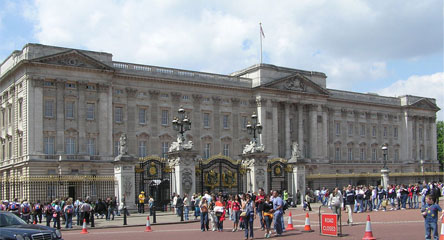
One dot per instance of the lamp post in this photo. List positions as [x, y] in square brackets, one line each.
[384, 152]
[385, 171]
[253, 127]
[181, 123]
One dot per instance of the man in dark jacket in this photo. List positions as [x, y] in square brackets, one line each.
[350, 197]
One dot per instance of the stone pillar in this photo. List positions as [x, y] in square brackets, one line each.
[132, 119]
[299, 180]
[155, 116]
[105, 139]
[60, 117]
[275, 133]
[184, 164]
[433, 139]
[313, 131]
[301, 129]
[81, 118]
[385, 178]
[287, 131]
[257, 164]
[125, 190]
[325, 132]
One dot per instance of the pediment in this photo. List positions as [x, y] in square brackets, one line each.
[297, 83]
[73, 58]
[425, 103]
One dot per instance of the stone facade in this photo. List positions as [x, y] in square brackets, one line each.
[63, 111]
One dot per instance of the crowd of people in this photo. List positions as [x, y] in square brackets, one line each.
[62, 211]
[240, 209]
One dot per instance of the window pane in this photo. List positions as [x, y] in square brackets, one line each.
[164, 117]
[118, 115]
[90, 109]
[49, 108]
[69, 110]
[142, 115]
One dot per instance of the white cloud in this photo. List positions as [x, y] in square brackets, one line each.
[427, 85]
[349, 40]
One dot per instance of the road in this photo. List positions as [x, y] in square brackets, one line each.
[405, 224]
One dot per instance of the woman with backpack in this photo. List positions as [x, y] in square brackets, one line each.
[47, 210]
[250, 215]
[56, 213]
[69, 212]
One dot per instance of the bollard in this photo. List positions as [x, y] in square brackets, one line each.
[181, 214]
[92, 218]
[154, 214]
[124, 216]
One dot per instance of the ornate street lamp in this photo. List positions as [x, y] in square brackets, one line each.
[384, 153]
[254, 127]
[181, 123]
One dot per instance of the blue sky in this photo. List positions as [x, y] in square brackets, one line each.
[388, 47]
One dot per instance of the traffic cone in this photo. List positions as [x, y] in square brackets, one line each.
[84, 230]
[307, 227]
[368, 235]
[148, 225]
[290, 223]
[441, 237]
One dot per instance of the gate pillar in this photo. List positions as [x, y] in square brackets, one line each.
[256, 164]
[125, 189]
[299, 180]
[183, 163]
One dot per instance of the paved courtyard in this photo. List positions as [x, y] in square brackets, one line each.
[405, 224]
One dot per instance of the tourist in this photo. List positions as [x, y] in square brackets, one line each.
[250, 215]
[204, 215]
[430, 213]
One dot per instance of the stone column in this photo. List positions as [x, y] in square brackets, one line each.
[184, 164]
[257, 164]
[105, 140]
[287, 131]
[125, 189]
[325, 132]
[131, 119]
[313, 131]
[60, 117]
[433, 139]
[216, 125]
[385, 178]
[81, 118]
[275, 133]
[299, 180]
[197, 121]
[261, 114]
[301, 129]
[155, 117]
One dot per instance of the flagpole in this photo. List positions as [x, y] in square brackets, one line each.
[260, 37]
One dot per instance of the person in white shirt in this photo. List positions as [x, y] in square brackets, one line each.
[335, 202]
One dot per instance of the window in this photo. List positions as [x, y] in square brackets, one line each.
[3, 152]
[420, 133]
[70, 85]
[91, 146]
[362, 154]
[142, 148]
[70, 145]
[185, 97]
[350, 129]
[48, 84]
[119, 91]
[291, 125]
[374, 131]
[3, 118]
[362, 130]
[338, 154]
[49, 108]
[20, 108]
[90, 111]
[396, 154]
[142, 116]
[165, 147]
[10, 149]
[226, 149]
[69, 111]
[20, 150]
[225, 121]
[207, 150]
[118, 114]
[165, 117]
[244, 122]
[206, 120]
[10, 115]
[385, 131]
[48, 145]
[395, 132]
[116, 148]
[338, 128]
[374, 155]
[350, 154]
[90, 87]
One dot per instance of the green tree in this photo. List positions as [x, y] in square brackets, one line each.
[440, 141]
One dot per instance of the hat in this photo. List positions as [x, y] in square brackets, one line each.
[142, 192]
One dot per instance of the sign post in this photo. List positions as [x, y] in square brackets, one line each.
[329, 224]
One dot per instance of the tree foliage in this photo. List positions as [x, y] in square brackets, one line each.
[440, 141]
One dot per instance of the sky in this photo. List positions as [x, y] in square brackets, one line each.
[392, 48]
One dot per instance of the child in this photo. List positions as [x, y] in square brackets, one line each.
[384, 205]
[430, 213]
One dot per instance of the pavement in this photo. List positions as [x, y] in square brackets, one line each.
[400, 224]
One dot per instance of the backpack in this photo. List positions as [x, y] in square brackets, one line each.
[37, 206]
[14, 206]
[25, 208]
[69, 209]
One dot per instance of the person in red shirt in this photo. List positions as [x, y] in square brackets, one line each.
[260, 199]
[235, 210]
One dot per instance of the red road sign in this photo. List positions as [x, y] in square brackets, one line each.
[329, 224]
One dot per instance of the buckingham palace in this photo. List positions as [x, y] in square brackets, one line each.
[64, 110]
